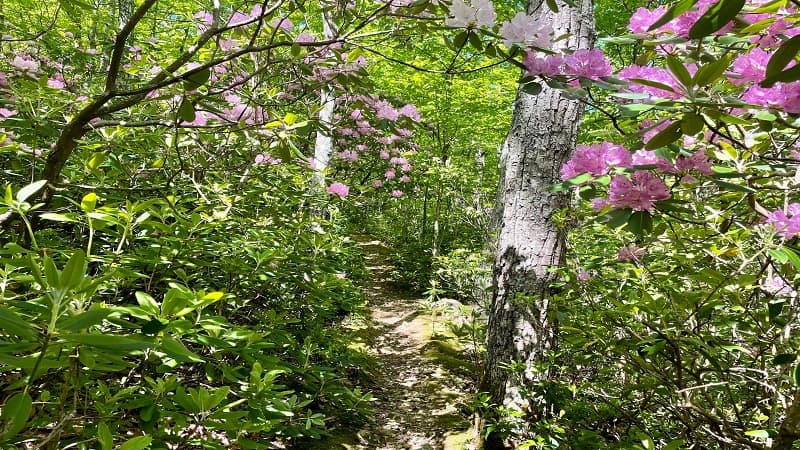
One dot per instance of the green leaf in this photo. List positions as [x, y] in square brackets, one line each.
[186, 111]
[781, 58]
[691, 124]
[784, 358]
[761, 434]
[675, 11]
[104, 436]
[86, 319]
[715, 18]
[674, 445]
[29, 190]
[552, 5]
[665, 137]
[791, 255]
[710, 72]
[15, 414]
[640, 223]
[11, 322]
[679, 70]
[197, 79]
[96, 160]
[788, 75]
[147, 302]
[51, 273]
[460, 39]
[618, 217]
[532, 88]
[137, 443]
[655, 84]
[74, 270]
[153, 327]
[177, 351]
[55, 217]
[89, 201]
[732, 186]
[796, 375]
[109, 342]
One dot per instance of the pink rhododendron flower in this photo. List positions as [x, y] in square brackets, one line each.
[405, 179]
[643, 19]
[786, 223]
[599, 203]
[549, 65]
[630, 253]
[349, 155]
[596, 159]
[639, 192]
[656, 74]
[749, 67]
[585, 63]
[397, 193]
[6, 113]
[389, 174]
[527, 31]
[384, 154]
[56, 82]
[584, 276]
[777, 286]
[411, 112]
[25, 63]
[305, 38]
[377, 183]
[479, 13]
[385, 110]
[338, 189]
[698, 161]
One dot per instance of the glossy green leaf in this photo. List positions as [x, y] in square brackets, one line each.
[11, 322]
[84, 320]
[16, 411]
[675, 11]
[640, 223]
[74, 270]
[186, 111]
[719, 15]
[137, 443]
[679, 71]
[109, 342]
[781, 58]
[104, 437]
[89, 202]
[24, 193]
[666, 136]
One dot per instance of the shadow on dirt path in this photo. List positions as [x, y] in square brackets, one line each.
[420, 389]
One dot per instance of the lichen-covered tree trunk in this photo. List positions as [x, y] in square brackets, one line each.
[543, 132]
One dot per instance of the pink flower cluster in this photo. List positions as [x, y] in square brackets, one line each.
[643, 19]
[640, 192]
[338, 189]
[596, 159]
[786, 223]
[591, 64]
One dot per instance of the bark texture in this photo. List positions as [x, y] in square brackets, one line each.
[543, 132]
[323, 145]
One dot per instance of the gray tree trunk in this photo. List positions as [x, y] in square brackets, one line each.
[323, 145]
[543, 133]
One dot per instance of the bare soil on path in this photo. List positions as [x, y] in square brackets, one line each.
[421, 384]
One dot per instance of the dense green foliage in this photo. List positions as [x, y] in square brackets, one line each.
[172, 274]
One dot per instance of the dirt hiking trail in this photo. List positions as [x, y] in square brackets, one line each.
[421, 384]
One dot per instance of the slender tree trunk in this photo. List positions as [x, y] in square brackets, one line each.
[543, 132]
[323, 146]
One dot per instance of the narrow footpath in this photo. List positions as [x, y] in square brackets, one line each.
[421, 385]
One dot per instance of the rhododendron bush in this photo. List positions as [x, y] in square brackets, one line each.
[679, 306]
